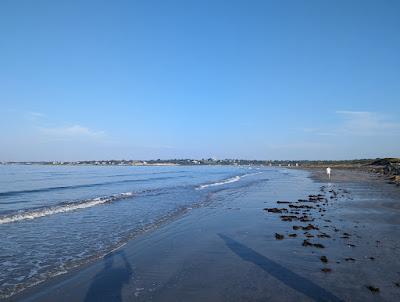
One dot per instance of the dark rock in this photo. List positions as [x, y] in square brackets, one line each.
[326, 270]
[292, 235]
[279, 236]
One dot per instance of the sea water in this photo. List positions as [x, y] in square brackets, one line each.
[54, 218]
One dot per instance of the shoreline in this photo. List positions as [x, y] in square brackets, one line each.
[77, 283]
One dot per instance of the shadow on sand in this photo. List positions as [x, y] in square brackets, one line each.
[108, 283]
[281, 273]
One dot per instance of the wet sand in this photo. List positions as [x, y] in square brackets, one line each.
[230, 251]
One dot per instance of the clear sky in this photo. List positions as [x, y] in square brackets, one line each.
[176, 79]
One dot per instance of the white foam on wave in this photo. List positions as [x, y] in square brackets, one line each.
[28, 215]
[251, 174]
[226, 181]
[220, 183]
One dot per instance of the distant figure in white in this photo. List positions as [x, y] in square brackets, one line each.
[328, 171]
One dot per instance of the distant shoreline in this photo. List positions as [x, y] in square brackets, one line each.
[386, 167]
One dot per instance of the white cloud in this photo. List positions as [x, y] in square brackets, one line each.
[75, 131]
[359, 123]
[367, 124]
[34, 116]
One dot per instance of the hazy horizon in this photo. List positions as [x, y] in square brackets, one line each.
[282, 80]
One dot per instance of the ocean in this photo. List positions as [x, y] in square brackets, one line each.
[55, 218]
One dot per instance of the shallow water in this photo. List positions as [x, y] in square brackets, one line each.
[53, 218]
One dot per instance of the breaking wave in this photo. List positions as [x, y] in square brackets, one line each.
[63, 208]
[226, 181]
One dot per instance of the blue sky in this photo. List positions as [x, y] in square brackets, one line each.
[227, 79]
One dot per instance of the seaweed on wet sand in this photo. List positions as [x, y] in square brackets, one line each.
[316, 198]
[323, 259]
[323, 235]
[310, 227]
[275, 210]
[303, 200]
[306, 219]
[306, 242]
[279, 236]
[288, 217]
[306, 228]
[326, 270]
[300, 206]
[373, 288]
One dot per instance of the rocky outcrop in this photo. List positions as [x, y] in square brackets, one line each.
[389, 167]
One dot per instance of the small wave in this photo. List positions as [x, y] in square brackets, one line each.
[226, 181]
[251, 174]
[67, 207]
[220, 183]
[92, 185]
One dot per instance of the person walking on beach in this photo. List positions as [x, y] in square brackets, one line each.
[328, 171]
